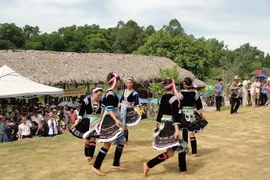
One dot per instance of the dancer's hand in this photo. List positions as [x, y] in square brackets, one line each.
[202, 117]
[176, 134]
[118, 123]
[155, 129]
[99, 119]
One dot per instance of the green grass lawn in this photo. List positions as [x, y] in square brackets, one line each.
[232, 147]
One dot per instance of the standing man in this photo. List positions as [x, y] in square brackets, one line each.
[38, 118]
[219, 89]
[25, 128]
[245, 91]
[257, 91]
[234, 95]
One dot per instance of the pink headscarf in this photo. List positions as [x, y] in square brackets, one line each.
[114, 79]
[172, 85]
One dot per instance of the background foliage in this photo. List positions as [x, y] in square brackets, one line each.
[208, 59]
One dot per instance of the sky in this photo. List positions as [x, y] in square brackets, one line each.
[235, 22]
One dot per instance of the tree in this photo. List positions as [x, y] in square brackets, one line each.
[128, 38]
[30, 31]
[174, 28]
[149, 30]
[11, 35]
[266, 61]
[188, 52]
[6, 44]
[97, 43]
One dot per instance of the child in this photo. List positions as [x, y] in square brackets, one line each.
[52, 123]
[63, 126]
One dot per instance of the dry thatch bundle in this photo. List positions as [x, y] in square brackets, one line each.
[52, 68]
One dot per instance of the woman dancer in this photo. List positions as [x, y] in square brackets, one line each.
[192, 119]
[166, 128]
[110, 129]
[85, 127]
[129, 101]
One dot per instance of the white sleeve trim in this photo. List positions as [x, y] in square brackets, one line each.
[197, 96]
[86, 101]
[199, 110]
[172, 99]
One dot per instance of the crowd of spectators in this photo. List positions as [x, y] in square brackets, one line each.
[30, 120]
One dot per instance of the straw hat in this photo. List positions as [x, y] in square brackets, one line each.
[236, 77]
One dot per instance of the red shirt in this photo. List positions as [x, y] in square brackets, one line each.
[72, 117]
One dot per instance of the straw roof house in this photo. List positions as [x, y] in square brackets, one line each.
[52, 68]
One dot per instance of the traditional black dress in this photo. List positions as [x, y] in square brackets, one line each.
[128, 102]
[108, 131]
[167, 116]
[191, 107]
[89, 115]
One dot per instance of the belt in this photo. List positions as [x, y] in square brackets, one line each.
[166, 116]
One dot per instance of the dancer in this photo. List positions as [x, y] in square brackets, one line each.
[192, 118]
[110, 129]
[166, 129]
[85, 127]
[129, 101]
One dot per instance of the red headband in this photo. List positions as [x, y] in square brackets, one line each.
[172, 85]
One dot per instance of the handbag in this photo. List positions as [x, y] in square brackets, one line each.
[233, 92]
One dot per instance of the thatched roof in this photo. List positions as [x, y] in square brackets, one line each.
[51, 68]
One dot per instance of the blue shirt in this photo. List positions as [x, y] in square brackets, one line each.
[219, 88]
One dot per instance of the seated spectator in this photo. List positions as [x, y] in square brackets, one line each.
[39, 120]
[9, 131]
[72, 117]
[2, 128]
[63, 125]
[56, 115]
[45, 126]
[25, 128]
[52, 123]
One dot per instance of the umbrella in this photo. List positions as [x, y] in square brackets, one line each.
[144, 101]
[154, 101]
[259, 72]
[199, 83]
[207, 91]
[69, 104]
[76, 104]
[261, 76]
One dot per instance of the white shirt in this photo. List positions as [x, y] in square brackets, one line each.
[257, 84]
[252, 88]
[77, 112]
[38, 119]
[245, 85]
[24, 129]
[52, 129]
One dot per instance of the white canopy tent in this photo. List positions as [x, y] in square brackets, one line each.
[13, 84]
